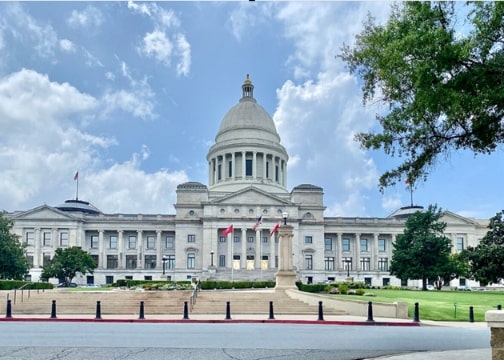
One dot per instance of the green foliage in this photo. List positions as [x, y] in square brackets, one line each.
[343, 288]
[17, 284]
[444, 85]
[311, 288]
[422, 251]
[486, 260]
[67, 262]
[213, 284]
[13, 263]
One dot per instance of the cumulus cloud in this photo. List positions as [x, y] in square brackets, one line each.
[165, 42]
[322, 105]
[67, 46]
[43, 142]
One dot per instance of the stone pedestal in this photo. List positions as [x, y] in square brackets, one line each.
[285, 276]
[495, 321]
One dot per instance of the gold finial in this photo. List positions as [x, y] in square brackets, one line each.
[247, 80]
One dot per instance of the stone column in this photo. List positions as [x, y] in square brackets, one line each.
[254, 165]
[233, 166]
[140, 250]
[243, 256]
[374, 252]
[243, 165]
[258, 260]
[337, 248]
[495, 321]
[272, 251]
[120, 250]
[101, 246]
[356, 261]
[285, 276]
[159, 261]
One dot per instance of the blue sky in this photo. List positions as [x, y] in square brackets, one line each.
[132, 95]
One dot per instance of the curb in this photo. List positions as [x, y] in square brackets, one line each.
[214, 321]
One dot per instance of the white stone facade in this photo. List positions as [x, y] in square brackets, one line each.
[247, 180]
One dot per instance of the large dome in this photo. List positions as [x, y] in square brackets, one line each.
[247, 120]
[247, 150]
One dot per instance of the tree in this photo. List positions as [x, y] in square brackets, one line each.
[13, 263]
[486, 260]
[422, 251]
[67, 262]
[443, 84]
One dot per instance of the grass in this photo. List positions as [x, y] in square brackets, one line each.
[438, 305]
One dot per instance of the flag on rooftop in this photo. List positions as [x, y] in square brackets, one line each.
[76, 176]
[258, 223]
[229, 230]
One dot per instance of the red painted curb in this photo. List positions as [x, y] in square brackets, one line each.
[239, 321]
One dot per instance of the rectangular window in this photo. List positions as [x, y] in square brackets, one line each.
[250, 239]
[346, 245]
[230, 169]
[236, 239]
[150, 262]
[264, 239]
[191, 238]
[308, 262]
[267, 169]
[367, 281]
[328, 244]
[222, 260]
[109, 279]
[95, 259]
[222, 239]
[132, 242]
[276, 261]
[170, 262]
[64, 239]
[151, 242]
[308, 240]
[148, 277]
[383, 264]
[219, 172]
[386, 281]
[94, 241]
[169, 242]
[30, 238]
[47, 238]
[365, 263]
[29, 258]
[112, 262]
[329, 263]
[248, 167]
[460, 243]
[131, 262]
[276, 174]
[381, 245]
[113, 242]
[191, 261]
[363, 245]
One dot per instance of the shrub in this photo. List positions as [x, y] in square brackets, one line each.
[343, 288]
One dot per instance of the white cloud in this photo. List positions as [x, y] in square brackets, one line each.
[42, 145]
[67, 46]
[24, 28]
[90, 17]
[139, 101]
[157, 45]
[184, 51]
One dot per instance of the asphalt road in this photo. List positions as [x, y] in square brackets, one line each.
[132, 341]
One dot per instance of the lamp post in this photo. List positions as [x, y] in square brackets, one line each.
[348, 262]
[163, 259]
[211, 258]
[285, 215]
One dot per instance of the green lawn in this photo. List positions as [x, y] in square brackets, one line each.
[439, 305]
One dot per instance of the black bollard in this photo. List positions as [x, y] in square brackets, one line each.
[370, 311]
[271, 315]
[320, 311]
[8, 313]
[228, 310]
[417, 314]
[53, 310]
[471, 314]
[499, 307]
[186, 311]
[141, 316]
[98, 310]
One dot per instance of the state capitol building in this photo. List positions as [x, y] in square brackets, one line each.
[247, 181]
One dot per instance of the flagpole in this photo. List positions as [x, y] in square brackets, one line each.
[76, 177]
[232, 256]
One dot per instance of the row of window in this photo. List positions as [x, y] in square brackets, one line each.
[248, 170]
[365, 263]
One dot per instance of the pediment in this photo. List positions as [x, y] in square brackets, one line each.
[43, 212]
[251, 196]
[455, 219]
